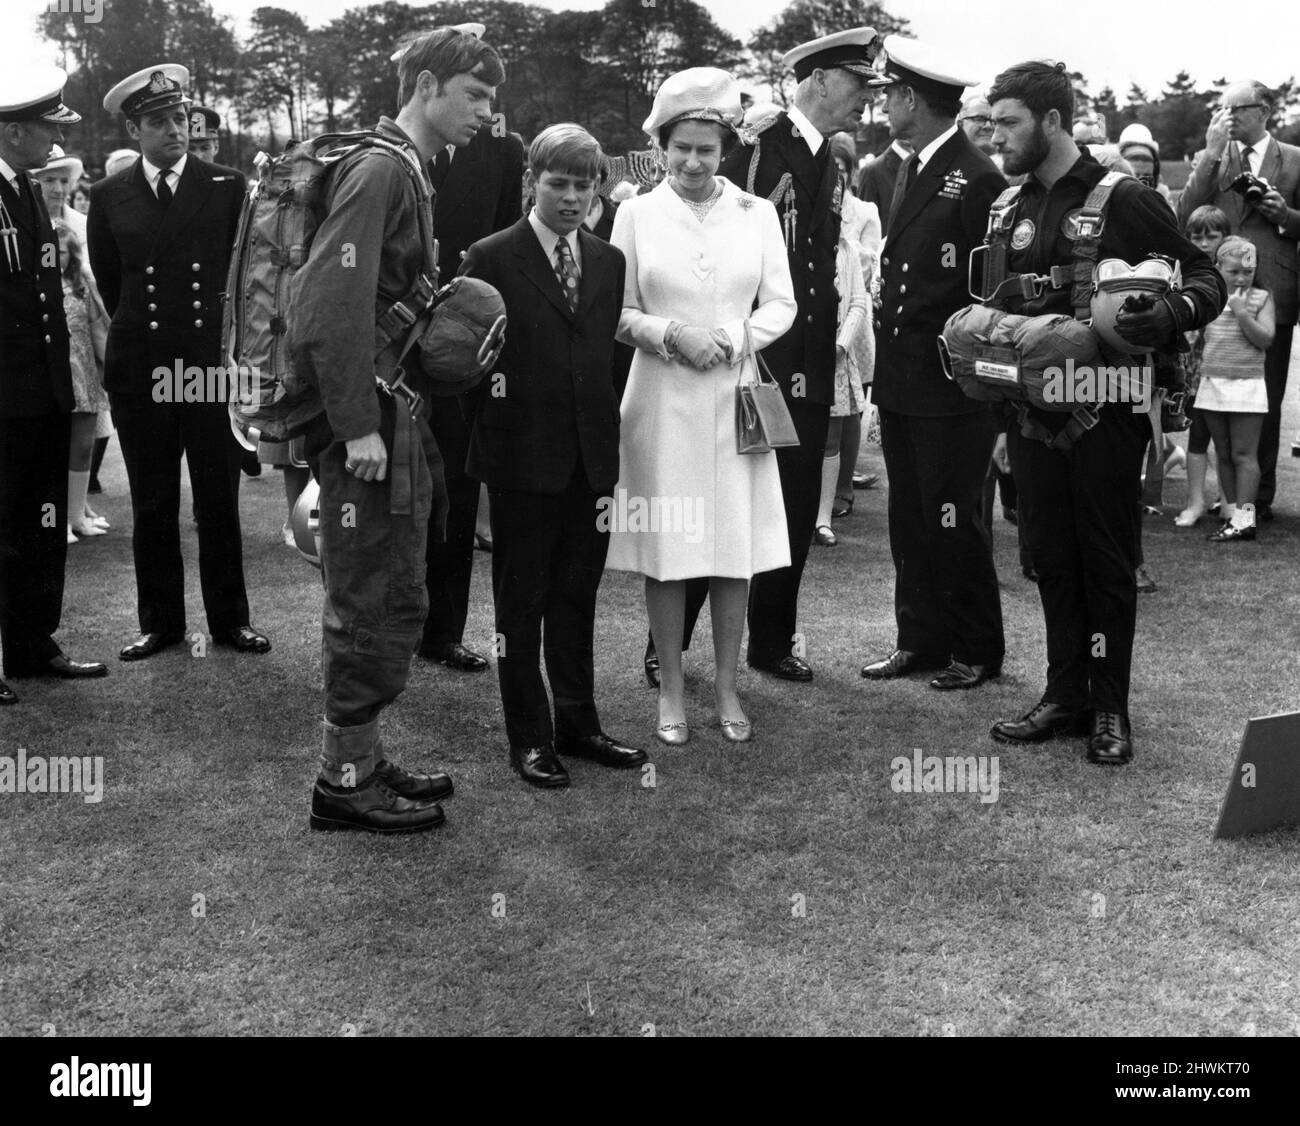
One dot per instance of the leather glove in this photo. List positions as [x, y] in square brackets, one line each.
[1152, 327]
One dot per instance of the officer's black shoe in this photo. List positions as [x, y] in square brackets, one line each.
[147, 644]
[599, 748]
[960, 675]
[244, 639]
[455, 656]
[1111, 741]
[1145, 583]
[417, 787]
[902, 662]
[1263, 513]
[372, 807]
[1045, 720]
[787, 668]
[7, 695]
[538, 766]
[1029, 573]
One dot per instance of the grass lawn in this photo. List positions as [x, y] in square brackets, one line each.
[1083, 901]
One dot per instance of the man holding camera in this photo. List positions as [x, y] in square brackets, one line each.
[1255, 180]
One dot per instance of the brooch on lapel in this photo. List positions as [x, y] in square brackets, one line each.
[746, 202]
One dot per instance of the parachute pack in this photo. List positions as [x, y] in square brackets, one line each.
[461, 325]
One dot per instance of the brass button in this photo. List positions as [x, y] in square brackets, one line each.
[148, 269]
[195, 267]
[901, 290]
[152, 307]
[895, 332]
[198, 324]
[42, 297]
[810, 320]
[45, 318]
[812, 292]
[153, 326]
[904, 267]
[150, 288]
[810, 265]
[884, 261]
[900, 308]
[47, 340]
[195, 285]
[198, 304]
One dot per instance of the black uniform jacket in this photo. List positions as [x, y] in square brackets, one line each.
[34, 375]
[809, 210]
[162, 271]
[932, 230]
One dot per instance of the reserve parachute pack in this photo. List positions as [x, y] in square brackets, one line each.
[459, 328]
[997, 356]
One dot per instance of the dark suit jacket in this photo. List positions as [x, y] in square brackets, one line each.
[876, 184]
[35, 378]
[555, 400]
[932, 230]
[809, 346]
[162, 272]
[481, 195]
[1277, 253]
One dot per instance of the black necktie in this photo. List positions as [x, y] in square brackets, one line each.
[1246, 150]
[911, 176]
[164, 190]
[438, 173]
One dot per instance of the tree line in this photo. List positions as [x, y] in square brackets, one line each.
[285, 80]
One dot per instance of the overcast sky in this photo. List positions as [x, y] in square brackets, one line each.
[1112, 42]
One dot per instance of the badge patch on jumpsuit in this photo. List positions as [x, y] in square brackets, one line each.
[1023, 234]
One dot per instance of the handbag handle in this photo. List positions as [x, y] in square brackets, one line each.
[762, 373]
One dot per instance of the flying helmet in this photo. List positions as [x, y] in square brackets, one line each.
[1115, 282]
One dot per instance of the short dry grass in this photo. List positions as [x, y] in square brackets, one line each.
[1084, 901]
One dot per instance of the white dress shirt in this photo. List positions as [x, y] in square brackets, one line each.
[923, 157]
[548, 238]
[152, 172]
[806, 129]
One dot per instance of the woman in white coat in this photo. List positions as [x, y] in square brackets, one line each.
[705, 261]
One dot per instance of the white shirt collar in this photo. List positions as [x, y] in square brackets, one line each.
[152, 171]
[898, 148]
[548, 238]
[1256, 157]
[806, 129]
[594, 214]
[8, 173]
[923, 157]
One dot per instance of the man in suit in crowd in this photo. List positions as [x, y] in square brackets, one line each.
[876, 184]
[545, 442]
[1236, 142]
[937, 443]
[35, 388]
[789, 163]
[161, 233]
[478, 191]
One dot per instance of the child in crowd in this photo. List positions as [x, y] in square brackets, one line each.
[1232, 395]
[1207, 227]
[88, 336]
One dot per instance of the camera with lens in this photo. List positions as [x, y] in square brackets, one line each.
[1250, 187]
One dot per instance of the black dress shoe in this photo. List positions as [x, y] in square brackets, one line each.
[417, 787]
[842, 507]
[1145, 583]
[1010, 515]
[455, 656]
[147, 644]
[245, 639]
[539, 767]
[599, 748]
[901, 662]
[372, 807]
[960, 675]
[7, 695]
[1263, 513]
[482, 543]
[1111, 741]
[1030, 574]
[1043, 721]
[865, 480]
[787, 668]
[651, 663]
[62, 668]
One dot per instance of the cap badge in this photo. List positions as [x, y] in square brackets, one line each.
[159, 83]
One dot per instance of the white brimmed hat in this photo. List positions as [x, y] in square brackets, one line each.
[59, 162]
[35, 94]
[853, 50]
[155, 87]
[914, 63]
[700, 93]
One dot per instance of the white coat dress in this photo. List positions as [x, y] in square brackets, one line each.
[687, 505]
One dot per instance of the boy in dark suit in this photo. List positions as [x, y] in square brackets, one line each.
[544, 440]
